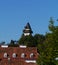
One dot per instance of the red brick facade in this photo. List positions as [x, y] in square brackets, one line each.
[18, 56]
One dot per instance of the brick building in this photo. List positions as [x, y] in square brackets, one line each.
[21, 55]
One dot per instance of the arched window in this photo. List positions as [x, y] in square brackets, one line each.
[14, 55]
[5, 55]
[23, 55]
[31, 55]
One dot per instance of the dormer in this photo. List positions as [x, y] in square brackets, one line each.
[14, 55]
[5, 55]
[23, 55]
[31, 55]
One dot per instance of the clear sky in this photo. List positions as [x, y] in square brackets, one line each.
[14, 14]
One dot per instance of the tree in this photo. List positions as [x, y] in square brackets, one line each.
[27, 40]
[39, 39]
[48, 51]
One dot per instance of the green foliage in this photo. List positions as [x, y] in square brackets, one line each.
[32, 41]
[49, 49]
[51, 25]
[28, 41]
[39, 41]
[39, 38]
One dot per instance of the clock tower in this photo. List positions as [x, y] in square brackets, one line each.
[27, 30]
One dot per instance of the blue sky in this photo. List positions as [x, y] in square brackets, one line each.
[14, 14]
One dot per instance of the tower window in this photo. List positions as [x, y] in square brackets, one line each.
[14, 55]
[5, 55]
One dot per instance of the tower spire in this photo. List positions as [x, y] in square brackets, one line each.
[27, 30]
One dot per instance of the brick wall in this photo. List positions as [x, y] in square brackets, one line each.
[18, 60]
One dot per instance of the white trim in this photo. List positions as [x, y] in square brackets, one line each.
[30, 61]
[4, 46]
[27, 29]
[26, 34]
[22, 46]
